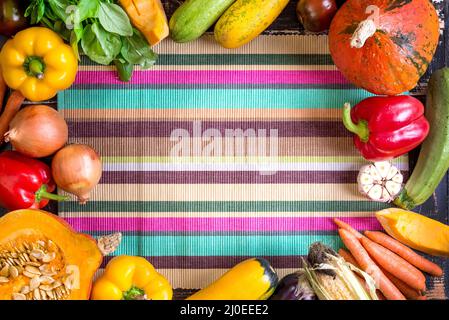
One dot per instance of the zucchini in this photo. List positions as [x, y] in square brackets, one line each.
[245, 20]
[252, 279]
[433, 160]
[194, 17]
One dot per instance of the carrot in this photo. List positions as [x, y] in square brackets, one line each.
[13, 104]
[348, 257]
[405, 252]
[362, 257]
[406, 290]
[394, 264]
[2, 90]
[347, 227]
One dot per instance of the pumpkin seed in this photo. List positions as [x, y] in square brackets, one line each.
[49, 257]
[33, 263]
[36, 294]
[13, 272]
[4, 280]
[43, 294]
[46, 287]
[35, 282]
[28, 274]
[5, 271]
[50, 294]
[37, 253]
[25, 290]
[46, 280]
[56, 284]
[32, 269]
[18, 296]
[68, 282]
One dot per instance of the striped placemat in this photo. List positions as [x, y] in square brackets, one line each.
[189, 195]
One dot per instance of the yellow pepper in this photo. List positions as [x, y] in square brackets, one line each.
[38, 63]
[131, 278]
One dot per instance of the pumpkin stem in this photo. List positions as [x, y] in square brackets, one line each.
[360, 129]
[365, 30]
[42, 193]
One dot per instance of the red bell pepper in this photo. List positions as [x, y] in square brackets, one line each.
[386, 127]
[25, 183]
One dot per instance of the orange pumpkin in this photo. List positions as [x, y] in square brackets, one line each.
[384, 46]
[43, 258]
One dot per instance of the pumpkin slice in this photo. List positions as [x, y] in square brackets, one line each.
[43, 258]
[148, 16]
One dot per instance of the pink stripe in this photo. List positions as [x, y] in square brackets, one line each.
[215, 77]
[217, 224]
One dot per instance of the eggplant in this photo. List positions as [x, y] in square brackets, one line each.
[294, 287]
[12, 18]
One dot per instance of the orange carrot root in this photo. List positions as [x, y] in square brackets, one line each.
[2, 90]
[347, 227]
[362, 257]
[12, 106]
[405, 252]
[395, 265]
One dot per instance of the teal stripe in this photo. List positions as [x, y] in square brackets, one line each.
[223, 206]
[236, 59]
[220, 245]
[206, 98]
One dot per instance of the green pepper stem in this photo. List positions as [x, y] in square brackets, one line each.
[34, 67]
[42, 193]
[134, 293]
[360, 129]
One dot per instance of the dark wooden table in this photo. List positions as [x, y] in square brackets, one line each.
[436, 207]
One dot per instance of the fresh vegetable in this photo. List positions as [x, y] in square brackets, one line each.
[131, 278]
[416, 231]
[11, 17]
[380, 181]
[37, 131]
[386, 127]
[12, 106]
[362, 257]
[245, 20]
[384, 46]
[316, 15]
[332, 278]
[148, 16]
[77, 169]
[64, 261]
[395, 265]
[347, 227]
[433, 160]
[252, 279]
[24, 183]
[37, 63]
[294, 286]
[192, 19]
[2, 90]
[405, 252]
[102, 29]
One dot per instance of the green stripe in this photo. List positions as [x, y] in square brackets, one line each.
[358, 160]
[204, 98]
[223, 206]
[236, 59]
[220, 245]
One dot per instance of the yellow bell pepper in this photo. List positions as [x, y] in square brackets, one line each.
[131, 278]
[38, 63]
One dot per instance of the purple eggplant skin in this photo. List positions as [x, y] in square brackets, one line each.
[294, 287]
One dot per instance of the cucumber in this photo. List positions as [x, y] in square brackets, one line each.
[192, 19]
[433, 160]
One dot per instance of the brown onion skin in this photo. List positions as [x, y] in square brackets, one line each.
[316, 15]
[77, 169]
[37, 131]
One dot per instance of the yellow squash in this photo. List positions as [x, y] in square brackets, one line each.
[148, 16]
[38, 63]
[245, 20]
[252, 279]
[416, 231]
[131, 278]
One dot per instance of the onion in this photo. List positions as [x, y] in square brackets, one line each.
[37, 131]
[77, 170]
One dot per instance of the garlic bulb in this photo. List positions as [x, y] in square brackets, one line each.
[380, 181]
